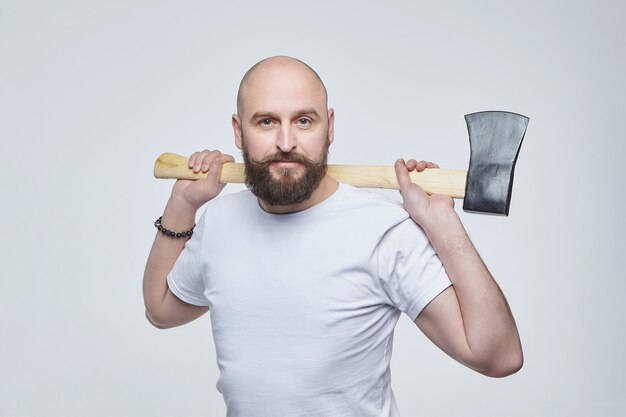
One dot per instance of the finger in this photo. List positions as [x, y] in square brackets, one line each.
[215, 170]
[197, 157]
[192, 159]
[411, 164]
[227, 158]
[404, 180]
[420, 166]
[431, 165]
[208, 159]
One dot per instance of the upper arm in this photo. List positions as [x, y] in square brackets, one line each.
[441, 321]
[174, 312]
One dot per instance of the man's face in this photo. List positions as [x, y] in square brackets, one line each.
[284, 130]
[284, 186]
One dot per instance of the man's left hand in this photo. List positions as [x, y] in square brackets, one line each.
[416, 202]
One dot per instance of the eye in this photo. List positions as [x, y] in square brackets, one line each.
[304, 121]
[265, 122]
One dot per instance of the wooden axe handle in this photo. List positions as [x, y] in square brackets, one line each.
[449, 182]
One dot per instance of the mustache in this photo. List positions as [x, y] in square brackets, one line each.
[285, 157]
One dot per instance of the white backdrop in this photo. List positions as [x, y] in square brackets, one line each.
[91, 92]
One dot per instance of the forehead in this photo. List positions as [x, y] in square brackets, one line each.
[282, 88]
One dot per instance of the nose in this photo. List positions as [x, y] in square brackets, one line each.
[286, 140]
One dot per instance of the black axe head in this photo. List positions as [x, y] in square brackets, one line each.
[495, 139]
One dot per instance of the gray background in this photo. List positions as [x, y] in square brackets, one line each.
[92, 92]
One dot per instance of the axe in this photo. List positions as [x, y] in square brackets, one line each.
[495, 139]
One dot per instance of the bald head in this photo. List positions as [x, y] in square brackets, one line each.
[285, 71]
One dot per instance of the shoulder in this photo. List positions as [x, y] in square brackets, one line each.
[365, 209]
[371, 202]
[235, 200]
[228, 206]
[386, 214]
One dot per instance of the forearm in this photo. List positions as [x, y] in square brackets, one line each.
[489, 326]
[177, 216]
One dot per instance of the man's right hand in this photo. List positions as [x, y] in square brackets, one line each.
[196, 193]
[163, 308]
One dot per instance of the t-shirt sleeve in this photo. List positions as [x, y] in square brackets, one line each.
[186, 279]
[410, 270]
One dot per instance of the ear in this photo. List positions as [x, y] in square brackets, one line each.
[331, 125]
[236, 121]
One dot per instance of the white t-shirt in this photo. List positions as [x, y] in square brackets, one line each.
[303, 305]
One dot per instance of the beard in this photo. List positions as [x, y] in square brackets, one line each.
[288, 188]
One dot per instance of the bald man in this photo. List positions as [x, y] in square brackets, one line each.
[305, 278]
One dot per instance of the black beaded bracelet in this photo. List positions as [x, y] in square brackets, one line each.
[170, 233]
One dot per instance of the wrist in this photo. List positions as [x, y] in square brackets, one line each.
[180, 203]
[432, 210]
[179, 214]
[167, 232]
[439, 220]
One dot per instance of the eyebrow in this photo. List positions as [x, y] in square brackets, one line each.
[303, 112]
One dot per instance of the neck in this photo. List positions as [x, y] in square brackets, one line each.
[326, 188]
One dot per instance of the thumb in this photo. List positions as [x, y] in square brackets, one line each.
[404, 180]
